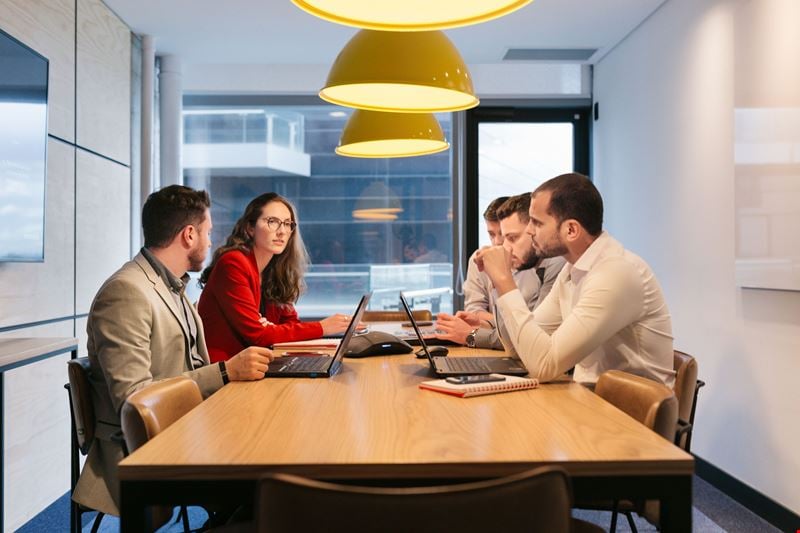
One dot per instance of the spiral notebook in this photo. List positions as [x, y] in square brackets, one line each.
[510, 384]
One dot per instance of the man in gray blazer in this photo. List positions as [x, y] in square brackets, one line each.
[142, 329]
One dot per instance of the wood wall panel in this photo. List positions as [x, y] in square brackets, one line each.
[103, 224]
[36, 432]
[103, 112]
[48, 26]
[31, 292]
[37, 440]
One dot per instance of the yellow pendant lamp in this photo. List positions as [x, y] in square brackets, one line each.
[401, 72]
[409, 15]
[373, 134]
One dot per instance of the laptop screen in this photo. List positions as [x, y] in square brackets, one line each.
[348, 334]
[416, 328]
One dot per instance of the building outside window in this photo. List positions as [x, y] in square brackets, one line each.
[381, 225]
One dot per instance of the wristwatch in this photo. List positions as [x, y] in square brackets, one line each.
[471, 338]
[224, 372]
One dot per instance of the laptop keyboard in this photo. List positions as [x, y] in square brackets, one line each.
[466, 364]
[301, 364]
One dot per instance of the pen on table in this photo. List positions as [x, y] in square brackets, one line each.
[303, 352]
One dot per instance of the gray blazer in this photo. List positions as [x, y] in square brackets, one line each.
[135, 338]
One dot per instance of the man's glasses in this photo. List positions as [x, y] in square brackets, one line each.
[274, 223]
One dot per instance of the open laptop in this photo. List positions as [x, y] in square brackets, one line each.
[460, 366]
[320, 366]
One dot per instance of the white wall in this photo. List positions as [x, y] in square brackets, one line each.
[663, 159]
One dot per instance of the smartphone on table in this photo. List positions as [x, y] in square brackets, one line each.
[469, 380]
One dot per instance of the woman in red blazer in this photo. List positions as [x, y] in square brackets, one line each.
[250, 287]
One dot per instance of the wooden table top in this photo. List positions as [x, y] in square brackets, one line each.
[372, 421]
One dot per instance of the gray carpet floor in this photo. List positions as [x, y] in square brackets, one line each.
[713, 512]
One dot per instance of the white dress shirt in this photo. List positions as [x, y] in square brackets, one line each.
[607, 311]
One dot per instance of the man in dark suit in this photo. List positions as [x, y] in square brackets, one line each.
[142, 329]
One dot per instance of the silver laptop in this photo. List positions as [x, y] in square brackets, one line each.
[319, 366]
[460, 366]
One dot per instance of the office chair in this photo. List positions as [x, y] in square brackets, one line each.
[395, 316]
[687, 387]
[651, 403]
[148, 412]
[81, 411]
[536, 500]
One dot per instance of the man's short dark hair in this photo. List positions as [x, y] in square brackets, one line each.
[168, 211]
[519, 204]
[574, 196]
[490, 215]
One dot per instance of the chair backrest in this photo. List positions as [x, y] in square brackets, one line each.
[651, 403]
[685, 367]
[536, 500]
[80, 395]
[149, 411]
[395, 316]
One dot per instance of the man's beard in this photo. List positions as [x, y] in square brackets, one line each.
[556, 249]
[529, 261]
[196, 259]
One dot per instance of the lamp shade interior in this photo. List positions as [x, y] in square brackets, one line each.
[409, 15]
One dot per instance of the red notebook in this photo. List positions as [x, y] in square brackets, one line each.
[511, 383]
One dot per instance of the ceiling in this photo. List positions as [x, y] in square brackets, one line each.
[275, 32]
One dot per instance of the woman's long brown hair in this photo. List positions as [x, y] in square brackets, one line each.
[282, 281]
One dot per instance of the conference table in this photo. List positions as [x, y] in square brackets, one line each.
[371, 424]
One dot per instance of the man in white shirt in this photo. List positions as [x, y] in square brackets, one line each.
[606, 310]
[533, 276]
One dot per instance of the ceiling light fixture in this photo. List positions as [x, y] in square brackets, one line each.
[372, 134]
[409, 15]
[402, 72]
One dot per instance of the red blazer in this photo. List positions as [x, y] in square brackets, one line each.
[229, 307]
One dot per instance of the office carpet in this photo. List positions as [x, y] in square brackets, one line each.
[713, 512]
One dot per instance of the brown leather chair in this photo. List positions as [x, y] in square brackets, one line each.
[83, 424]
[148, 412]
[651, 403]
[536, 500]
[395, 316]
[687, 387]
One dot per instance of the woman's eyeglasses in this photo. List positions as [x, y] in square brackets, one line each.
[274, 223]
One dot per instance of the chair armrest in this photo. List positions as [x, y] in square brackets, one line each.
[683, 428]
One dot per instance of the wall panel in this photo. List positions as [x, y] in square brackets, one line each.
[103, 111]
[40, 291]
[36, 432]
[102, 224]
[37, 439]
[48, 26]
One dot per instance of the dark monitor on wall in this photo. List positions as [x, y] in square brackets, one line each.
[23, 151]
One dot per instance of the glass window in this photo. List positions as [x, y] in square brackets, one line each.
[516, 157]
[355, 243]
[513, 150]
